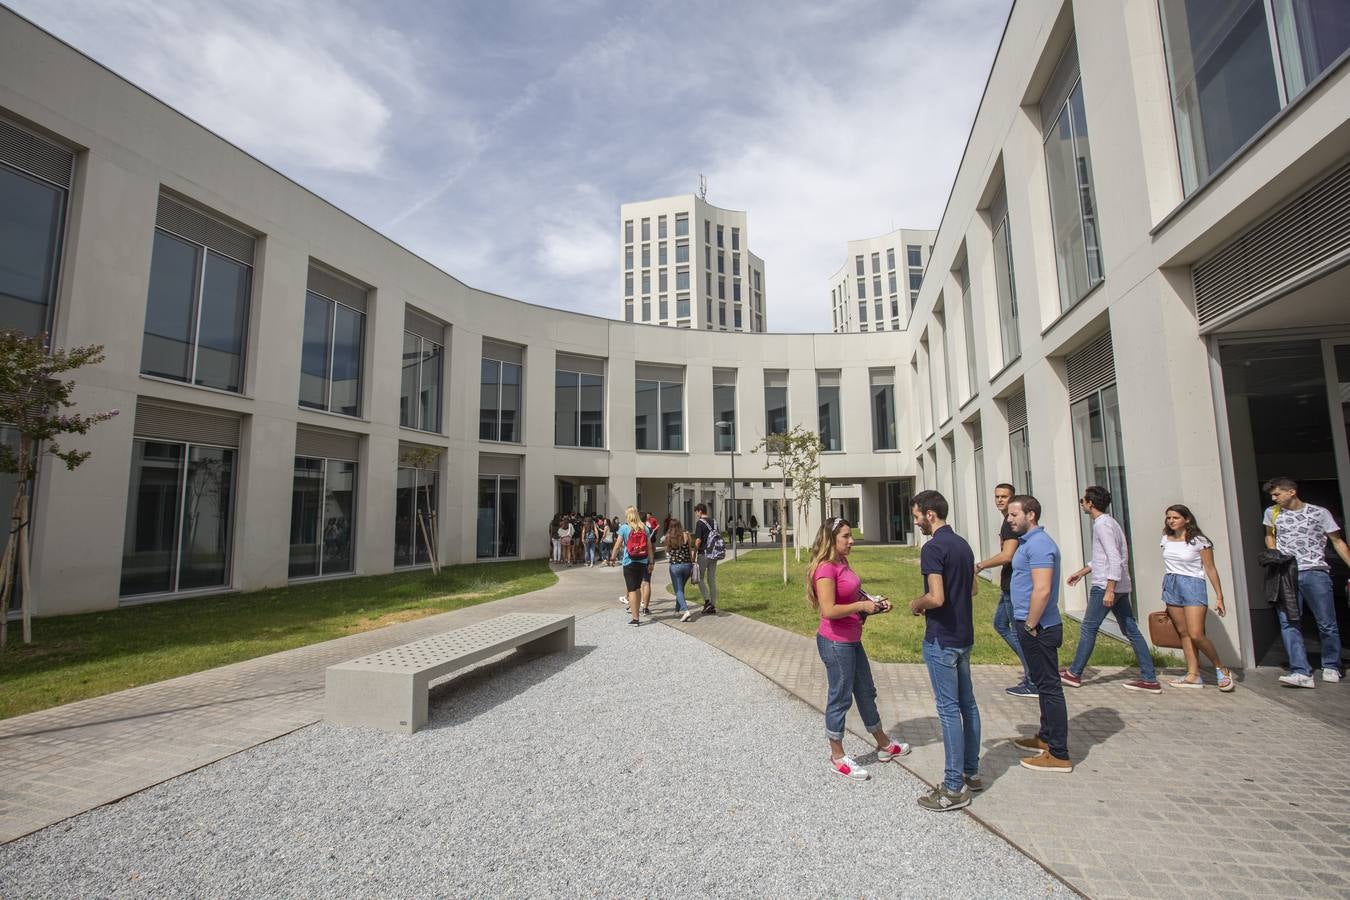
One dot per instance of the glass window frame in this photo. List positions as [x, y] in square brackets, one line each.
[415, 403]
[59, 236]
[333, 361]
[520, 417]
[579, 409]
[661, 426]
[320, 512]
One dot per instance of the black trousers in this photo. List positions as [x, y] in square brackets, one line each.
[1042, 655]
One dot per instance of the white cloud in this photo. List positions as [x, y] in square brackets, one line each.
[272, 80]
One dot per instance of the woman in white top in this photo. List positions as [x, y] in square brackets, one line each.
[1188, 557]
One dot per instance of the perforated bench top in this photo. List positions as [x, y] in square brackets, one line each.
[432, 652]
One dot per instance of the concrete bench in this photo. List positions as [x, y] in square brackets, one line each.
[389, 689]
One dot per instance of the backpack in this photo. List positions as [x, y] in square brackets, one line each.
[716, 548]
[637, 545]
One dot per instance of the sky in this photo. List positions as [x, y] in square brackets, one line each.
[499, 140]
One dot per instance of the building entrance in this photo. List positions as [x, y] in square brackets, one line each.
[899, 521]
[1288, 408]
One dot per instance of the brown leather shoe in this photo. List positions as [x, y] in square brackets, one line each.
[1047, 763]
[1031, 744]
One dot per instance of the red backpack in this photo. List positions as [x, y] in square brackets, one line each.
[637, 545]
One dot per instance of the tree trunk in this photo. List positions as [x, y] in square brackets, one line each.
[426, 539]
[24, 572]
[782, 531]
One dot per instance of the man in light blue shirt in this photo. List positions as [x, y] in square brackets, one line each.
[1035, 600]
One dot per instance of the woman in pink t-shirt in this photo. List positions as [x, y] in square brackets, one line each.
[836, 592]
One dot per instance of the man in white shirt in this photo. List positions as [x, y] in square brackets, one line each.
[1301, 530]
[1109, 593]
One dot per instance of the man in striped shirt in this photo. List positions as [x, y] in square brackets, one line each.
[1109, 593]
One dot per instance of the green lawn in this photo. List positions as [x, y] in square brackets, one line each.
[74, 657]
[753, 586]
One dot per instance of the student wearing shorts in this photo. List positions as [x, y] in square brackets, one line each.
[1188, 557]
[634, 568]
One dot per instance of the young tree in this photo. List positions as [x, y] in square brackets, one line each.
[33, 404]
[425, 460]
[796, 454]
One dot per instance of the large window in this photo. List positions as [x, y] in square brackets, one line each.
[1068, 169]
[196, 313]
[982, 490]
[828, 407]
[1004, 283]
[724, 409]
[1098, 451]
[968, 325]
[32, 216]
[775, 401]
[332, 348]
[178, 526]
[579, 402]
[423, 368]
[883, 408]
[1228, 81]
[323, 516]
[498, 515]
[416, 502]
[658, 415]
[500, 394]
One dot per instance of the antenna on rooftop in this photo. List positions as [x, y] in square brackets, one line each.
[702, 187]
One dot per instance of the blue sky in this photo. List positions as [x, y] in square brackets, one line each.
[498, 140]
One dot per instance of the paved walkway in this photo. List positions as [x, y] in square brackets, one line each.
[1186, 794]
[60, 762]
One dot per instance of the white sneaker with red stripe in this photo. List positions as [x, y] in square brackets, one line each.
[845, 766]
[897, 748]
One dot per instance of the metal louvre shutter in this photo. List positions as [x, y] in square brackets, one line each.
[881, 376]
[724, 377]
[423, 326]
[775, 378]
[586, 365]
[167, 422]
[1091, 368]
[183, 220]
[319, 442]
[336, 287]
[657, 372]
[1017, 411]
[411, 447]
[1311, 230]
[26, 151]
[498, 465]
[827, 378]
[977, 437]
[497, 350]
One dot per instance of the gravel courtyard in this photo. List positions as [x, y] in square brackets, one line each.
[645, 763]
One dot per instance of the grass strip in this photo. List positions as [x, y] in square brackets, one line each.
[79, 656]
[753, 586]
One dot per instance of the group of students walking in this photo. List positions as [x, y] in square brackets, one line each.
[1027, 616]
[692, 557]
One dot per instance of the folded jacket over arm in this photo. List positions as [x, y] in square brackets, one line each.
[1281, 585]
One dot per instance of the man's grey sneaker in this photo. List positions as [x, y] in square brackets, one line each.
[942, 800]
[1023, 690]
[975, 783]
[1298, 681]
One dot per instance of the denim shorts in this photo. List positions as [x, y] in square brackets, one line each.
[1184, 590]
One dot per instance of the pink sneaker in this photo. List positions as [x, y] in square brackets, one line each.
[897, 748]
[845, 766]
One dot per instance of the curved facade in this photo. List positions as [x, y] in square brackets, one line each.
[1135, 282]
[264, 442]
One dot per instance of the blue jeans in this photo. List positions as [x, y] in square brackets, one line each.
[949, 670]
[590, 552]
[679, 575]
[1092, 623]
[850, 677]
[1315, 594]
[1003, 624]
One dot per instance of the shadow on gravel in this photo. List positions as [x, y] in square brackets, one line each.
[456, 700]
[1087, 729]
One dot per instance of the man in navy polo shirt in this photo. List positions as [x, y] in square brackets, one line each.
[948, 567]
[1035, 600]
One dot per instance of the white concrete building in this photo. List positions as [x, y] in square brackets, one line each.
[1139, 280]
[687, 263]
[879, 281]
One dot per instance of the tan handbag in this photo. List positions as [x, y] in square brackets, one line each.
[1161, 631]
